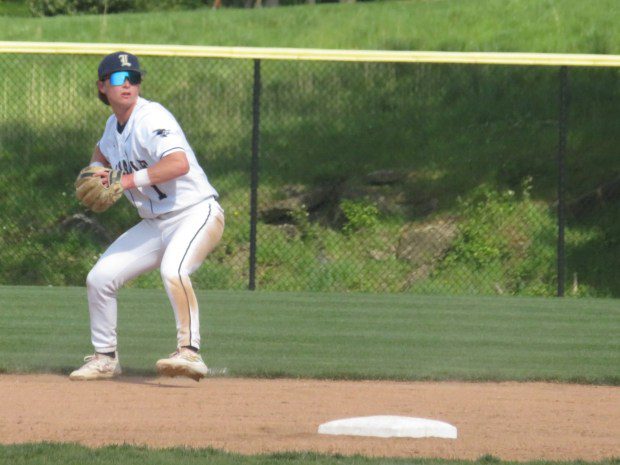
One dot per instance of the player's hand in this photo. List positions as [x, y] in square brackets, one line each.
[127, 181]
[103, 174]
[98, 188]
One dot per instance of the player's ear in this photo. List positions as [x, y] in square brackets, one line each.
[101, 92]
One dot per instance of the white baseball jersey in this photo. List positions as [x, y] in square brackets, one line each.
[150, 134]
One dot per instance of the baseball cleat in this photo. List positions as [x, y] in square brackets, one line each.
[97, 366]
[184, 362]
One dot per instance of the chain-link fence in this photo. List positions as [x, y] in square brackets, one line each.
[429, 178]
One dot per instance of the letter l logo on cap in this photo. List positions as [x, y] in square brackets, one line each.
[124, 60]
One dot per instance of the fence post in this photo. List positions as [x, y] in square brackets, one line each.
[254, 173]
[562, 144]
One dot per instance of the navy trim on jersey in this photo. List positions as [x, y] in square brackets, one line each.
[129, 166]
[132, 199]
[171, 150]
[189, 312]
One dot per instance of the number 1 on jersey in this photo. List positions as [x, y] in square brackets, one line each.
[160, 194]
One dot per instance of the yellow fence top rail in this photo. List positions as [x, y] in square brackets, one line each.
[490, 58]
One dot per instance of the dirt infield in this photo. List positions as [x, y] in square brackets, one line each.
[512, 421]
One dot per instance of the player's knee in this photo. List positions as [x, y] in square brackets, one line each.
[98, 279]
[173, 278]
[92, 280]
[169, 277]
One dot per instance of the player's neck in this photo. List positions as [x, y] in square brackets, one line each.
[123, 113]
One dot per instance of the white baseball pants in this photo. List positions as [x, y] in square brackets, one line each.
[177, 243]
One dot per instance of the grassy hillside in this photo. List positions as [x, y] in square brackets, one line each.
[567, 26]
[467, 136]
[478, 143]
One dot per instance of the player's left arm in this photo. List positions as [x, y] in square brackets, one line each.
[172, 166]
[99, 157]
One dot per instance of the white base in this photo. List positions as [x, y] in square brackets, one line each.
[390, 426]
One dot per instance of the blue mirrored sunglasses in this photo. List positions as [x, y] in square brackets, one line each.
[118, 78]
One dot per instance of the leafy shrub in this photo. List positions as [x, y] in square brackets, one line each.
[359, 215]
[508, 236]
[307, 229]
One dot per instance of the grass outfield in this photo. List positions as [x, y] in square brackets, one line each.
[322, 335]
[70, 454]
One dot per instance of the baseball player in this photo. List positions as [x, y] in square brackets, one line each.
[144, 153]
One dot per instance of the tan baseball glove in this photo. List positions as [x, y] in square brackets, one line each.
[93, 193]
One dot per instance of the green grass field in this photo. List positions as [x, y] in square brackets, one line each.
[313, 335]
[322, 335]
[70, 454]
[337, 335]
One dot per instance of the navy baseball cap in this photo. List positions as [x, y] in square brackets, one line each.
[118, 61]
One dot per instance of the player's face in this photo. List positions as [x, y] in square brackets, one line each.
[121, 88]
